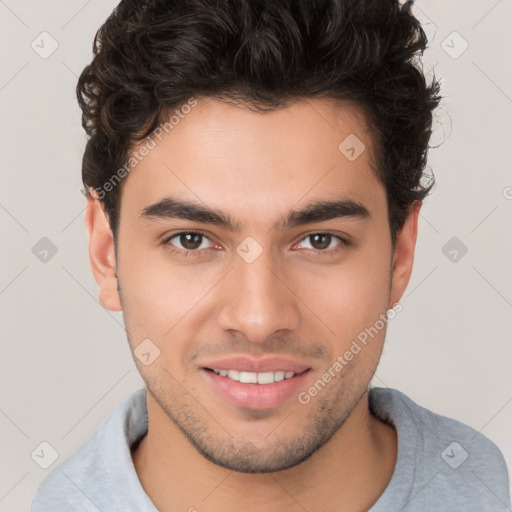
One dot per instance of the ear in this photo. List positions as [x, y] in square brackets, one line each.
[403, 255]
[102, 254]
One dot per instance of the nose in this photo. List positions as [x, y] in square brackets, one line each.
[257, 300]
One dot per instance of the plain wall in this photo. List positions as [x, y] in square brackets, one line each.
[65, 361]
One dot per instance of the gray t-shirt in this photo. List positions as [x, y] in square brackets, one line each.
[442, 464]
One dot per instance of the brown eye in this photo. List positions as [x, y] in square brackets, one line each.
[190, 241]
[323, 242]
[320, 241]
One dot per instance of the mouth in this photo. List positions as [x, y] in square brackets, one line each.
[251, 384]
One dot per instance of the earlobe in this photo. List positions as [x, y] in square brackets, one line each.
[102, 254]
[403, 255]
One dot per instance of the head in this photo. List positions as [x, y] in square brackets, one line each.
[291, 138]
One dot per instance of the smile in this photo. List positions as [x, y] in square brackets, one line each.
[254, 390]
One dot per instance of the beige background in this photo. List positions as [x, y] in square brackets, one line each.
[65, 361]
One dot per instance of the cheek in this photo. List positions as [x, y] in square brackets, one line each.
[348, 297]
[160, 298]
[158, 304]
[351, 302]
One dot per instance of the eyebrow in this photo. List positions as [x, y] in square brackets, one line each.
[317, 211]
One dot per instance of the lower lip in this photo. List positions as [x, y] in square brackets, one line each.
[255, 396]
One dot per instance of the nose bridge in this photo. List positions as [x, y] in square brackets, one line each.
[257, 303]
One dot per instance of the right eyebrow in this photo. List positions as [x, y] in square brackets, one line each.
[169, 208]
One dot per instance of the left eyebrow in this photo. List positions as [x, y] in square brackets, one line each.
[320, 211]
[317, 211]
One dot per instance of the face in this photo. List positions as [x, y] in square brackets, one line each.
[252, 253]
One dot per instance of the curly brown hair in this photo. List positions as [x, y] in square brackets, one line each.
[151, 56]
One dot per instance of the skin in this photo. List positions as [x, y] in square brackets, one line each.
[298, 300]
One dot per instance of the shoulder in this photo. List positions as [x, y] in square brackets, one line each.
[452, 459]
[85, 478]
[433, 428]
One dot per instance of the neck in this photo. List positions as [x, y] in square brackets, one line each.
[353, 468]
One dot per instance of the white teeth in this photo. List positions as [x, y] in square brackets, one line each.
[248, 377]
[265, 378]
[279, 375]
[255, 378]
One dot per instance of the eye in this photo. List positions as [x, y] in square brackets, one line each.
[191, 243]
[324, 241]
[187, 242]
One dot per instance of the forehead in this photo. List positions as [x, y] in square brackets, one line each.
[239, 160]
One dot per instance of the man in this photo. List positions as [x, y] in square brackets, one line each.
[254, 180]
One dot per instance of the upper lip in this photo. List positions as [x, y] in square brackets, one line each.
[256, 365]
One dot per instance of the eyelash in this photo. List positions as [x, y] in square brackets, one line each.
[197, 252]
